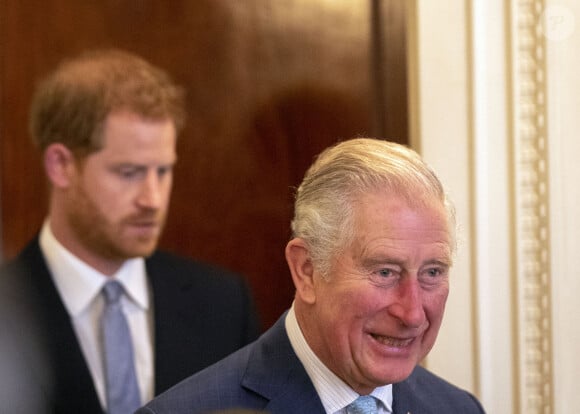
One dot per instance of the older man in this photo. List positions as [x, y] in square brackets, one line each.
[373, 241]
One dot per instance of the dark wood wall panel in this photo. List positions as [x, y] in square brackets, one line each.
[270, 83]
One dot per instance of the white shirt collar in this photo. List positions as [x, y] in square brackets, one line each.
[334, 393]
[79, 284]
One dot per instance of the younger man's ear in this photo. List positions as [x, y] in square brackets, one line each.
[302, 270]
[59, 164]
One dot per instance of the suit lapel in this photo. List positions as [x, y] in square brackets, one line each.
[409, 397]
[402, 401]
[275, 372]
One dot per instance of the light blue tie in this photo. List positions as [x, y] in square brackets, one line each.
[120, 378]
[365, 404]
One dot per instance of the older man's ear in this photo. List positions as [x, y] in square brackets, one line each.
[302, 270]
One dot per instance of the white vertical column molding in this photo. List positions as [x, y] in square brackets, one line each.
[532, 209]
[495, 109]
[491, 204]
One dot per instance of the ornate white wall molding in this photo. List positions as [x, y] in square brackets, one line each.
[532, 208]
[495, 109]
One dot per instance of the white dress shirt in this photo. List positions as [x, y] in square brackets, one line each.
[334, 393]
[79, 286]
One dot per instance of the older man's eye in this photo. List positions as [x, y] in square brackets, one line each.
[433, 272]
[385, 272]
[437, 271]
[385, 277]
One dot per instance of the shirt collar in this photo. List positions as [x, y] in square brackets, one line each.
[79, 284]
[334, 393]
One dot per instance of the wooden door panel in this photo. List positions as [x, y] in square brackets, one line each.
[269, 85]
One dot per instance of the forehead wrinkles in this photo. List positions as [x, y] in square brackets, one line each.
[388, 227]
[397, 211]
[402, 251]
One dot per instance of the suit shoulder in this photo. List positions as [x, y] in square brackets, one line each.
[30, 255]
[189, 268]
[18, 275]
[422, 377]
[208, 287]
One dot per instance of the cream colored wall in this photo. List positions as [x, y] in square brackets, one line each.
[563, 52]
[440, 124]
[495, 104]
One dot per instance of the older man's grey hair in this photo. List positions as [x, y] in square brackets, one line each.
[334, 184]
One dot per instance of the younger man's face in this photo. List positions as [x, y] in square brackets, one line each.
[120, 194]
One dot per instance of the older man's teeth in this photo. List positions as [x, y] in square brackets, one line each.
[394, 342]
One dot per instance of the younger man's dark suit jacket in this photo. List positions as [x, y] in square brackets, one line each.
[201, 314]
[268, 376]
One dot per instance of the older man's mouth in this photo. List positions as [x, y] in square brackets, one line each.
[392, 342]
